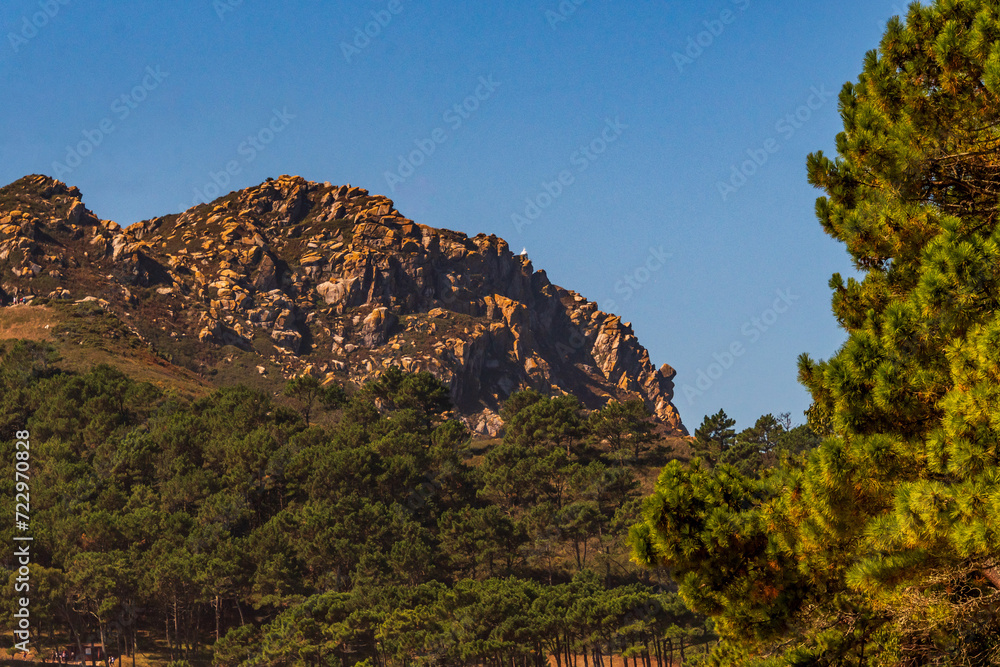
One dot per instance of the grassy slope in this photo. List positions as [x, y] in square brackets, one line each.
[84, 335]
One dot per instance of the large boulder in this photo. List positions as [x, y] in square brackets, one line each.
[377, 327]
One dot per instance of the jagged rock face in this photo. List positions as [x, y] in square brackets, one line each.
[334, 281]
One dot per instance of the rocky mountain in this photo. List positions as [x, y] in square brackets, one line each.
[329, 280]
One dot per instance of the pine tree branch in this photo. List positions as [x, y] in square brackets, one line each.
[955, 156]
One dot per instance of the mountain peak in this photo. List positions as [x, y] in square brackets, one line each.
[328, 280]
[38, 197]
[40, 185]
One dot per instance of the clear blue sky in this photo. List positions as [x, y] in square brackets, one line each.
[642, 108]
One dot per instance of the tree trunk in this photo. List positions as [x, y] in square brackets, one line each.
[993, 575]
[170, 645]
[76, 635]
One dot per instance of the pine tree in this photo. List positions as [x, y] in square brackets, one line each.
[756, 448]
[714, 437]
[891, 528]
[623, 425]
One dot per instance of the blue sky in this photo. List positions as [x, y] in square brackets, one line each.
[649, 155]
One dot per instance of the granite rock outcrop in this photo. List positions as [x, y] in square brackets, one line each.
[334, 281]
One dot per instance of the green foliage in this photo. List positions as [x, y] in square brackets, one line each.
[887, 531]
[309, 391]
[517, 402]
[624, 426]
[768, 442]
[548, 422]
[234, 524]
[418, 391]
[714, 437]
[492, 621]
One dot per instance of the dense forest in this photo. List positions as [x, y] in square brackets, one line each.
[322, 528]
[326, 528]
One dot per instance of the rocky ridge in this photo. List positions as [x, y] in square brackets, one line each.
[332, 281]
